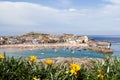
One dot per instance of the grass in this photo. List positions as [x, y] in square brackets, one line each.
[29, 69]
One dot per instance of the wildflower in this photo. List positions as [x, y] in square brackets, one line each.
[99, 71]
[35, 78]
[74, 68]
[73, 71]
[100, 75]
[48, 61]
[1, 56]
[33, 58]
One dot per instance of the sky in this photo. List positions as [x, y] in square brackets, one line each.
[79, 17]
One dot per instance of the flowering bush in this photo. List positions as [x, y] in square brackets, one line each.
[28, 69]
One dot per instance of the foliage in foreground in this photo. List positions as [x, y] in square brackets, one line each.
[29, 69]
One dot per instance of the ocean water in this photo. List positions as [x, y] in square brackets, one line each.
[67, 52]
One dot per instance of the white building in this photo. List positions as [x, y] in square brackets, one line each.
[82, 39]
[85, 38]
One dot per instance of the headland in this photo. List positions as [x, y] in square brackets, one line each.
[37, 40]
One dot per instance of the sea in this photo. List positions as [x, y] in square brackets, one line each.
[67, 52]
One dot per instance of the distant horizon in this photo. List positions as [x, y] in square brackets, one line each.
[97, 35]
[16, 34]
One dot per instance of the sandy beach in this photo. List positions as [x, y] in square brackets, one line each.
[47, 45]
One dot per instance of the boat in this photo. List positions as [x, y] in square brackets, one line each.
[72, 51]
[55, 49]
[42, 53]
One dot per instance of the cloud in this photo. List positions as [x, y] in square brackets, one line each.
[114, 1]
[25, 16]
[112, 9]
[22, 13]
[71, 9]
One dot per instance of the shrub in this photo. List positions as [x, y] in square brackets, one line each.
[29, 69]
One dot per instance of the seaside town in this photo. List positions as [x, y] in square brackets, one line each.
[36, 40]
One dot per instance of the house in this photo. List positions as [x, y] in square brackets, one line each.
[81, 39]
[14, 40]
[29, 40]
[72, 41]
[67, 37]
[2, 41]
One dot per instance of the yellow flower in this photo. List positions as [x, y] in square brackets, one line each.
[75, 67]
[35, 78]
[99, 71]
[101, 76]
[33, 58]
[1, 56]
[73, 71]
[49, 61]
